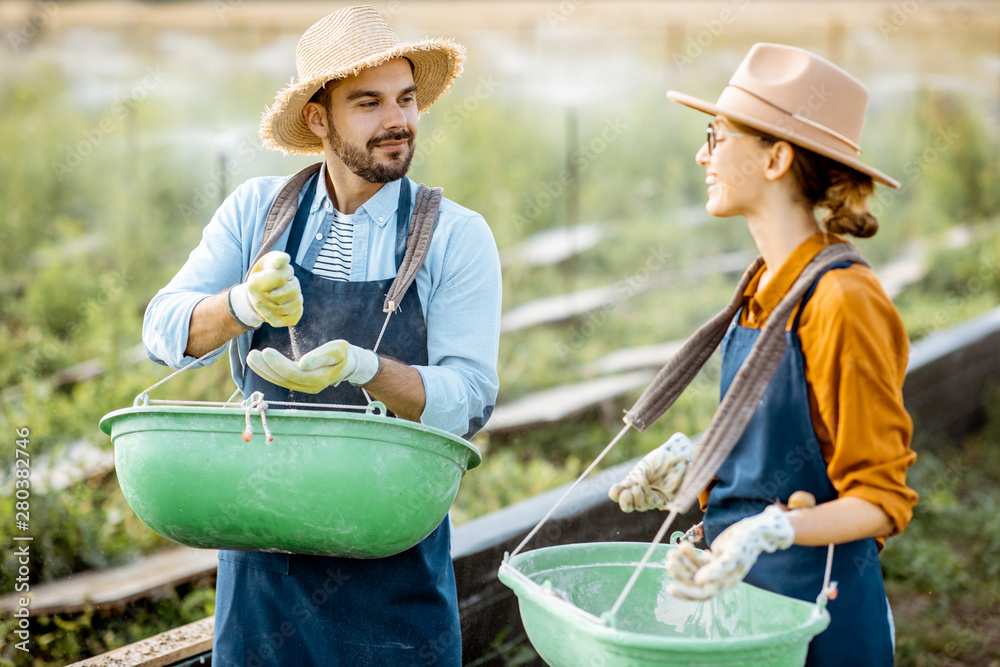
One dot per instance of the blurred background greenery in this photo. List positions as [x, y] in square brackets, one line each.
[125, 124]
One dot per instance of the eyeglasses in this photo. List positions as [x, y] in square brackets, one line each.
[713, 133]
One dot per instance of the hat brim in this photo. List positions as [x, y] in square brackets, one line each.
[782, 133]
[436, 65]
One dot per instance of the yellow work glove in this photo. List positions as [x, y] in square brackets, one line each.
[270, 294]
[702, 575]
[654, 480]
[329, 364]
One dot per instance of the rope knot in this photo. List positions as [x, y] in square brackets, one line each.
[256, 403]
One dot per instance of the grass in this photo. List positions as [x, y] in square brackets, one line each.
[142, 193]
[942, 575]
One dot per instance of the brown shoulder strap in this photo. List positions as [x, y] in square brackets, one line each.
[418, 241]
[681, 369]
[283, 209]
[751, 381]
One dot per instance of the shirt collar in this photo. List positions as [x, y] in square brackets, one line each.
[381, 207]
[762, 302]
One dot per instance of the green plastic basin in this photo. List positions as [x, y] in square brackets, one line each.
[330, 483]
[744, 626]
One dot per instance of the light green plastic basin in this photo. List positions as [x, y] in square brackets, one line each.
[745, 626]
[330, 483]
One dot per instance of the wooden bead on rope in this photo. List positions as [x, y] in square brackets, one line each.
[801, 500]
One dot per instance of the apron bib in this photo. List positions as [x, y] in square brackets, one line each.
[280, 609]
[777, 455]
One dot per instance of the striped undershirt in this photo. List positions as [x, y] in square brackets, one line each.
[334, 260]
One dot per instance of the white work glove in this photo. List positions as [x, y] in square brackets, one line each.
[270, 294]
[329, 364]
[702, 575]
[654, 480]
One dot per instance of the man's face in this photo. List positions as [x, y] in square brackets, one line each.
[374, 121]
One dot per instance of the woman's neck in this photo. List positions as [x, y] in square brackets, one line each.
[778, 228]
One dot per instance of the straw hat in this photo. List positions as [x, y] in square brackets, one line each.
[341, 45]
[795, 95]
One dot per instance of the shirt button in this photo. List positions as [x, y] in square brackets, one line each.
[319, 237]
[380, 218]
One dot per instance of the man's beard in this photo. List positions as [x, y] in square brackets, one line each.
[362, 161]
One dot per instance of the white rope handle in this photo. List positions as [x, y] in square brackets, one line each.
[642, 564]
[570, 490]
[256, 403]
[829, 590]
[145, 394]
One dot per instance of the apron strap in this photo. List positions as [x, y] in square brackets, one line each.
[678, 372]
[283, 209]
[805, 299]
[403, 212]
[750, 383]
[421, 228]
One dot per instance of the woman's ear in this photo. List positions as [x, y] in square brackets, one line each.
[315, 117]
[780, 156]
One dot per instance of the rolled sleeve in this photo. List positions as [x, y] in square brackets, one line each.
[856, 350]
[460, 289]
[219, 261]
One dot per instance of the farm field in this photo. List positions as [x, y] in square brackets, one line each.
[125, 124]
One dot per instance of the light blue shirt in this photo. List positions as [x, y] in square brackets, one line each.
[459, 289]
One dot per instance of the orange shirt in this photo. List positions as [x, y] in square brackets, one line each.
[855, 350]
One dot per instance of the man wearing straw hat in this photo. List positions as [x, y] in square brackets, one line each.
[309, 275]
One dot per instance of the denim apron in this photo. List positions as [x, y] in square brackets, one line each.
[294, 610]
[777, 455]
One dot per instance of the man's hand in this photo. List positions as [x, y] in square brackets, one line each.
[329, 364]
[654, 480]
[700, 576]
[270, 294]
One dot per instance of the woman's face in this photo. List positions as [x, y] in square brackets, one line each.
[733, 170]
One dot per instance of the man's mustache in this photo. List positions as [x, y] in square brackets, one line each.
[399, 135]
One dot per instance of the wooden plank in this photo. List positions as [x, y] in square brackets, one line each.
[905, 270]
[553, 405]
[565, 306]
[562, 307]
[634, 358]
[553, 246]
[166, 648]
[948, 371]
[108, 589]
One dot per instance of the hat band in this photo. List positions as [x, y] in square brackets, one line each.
[801, 119]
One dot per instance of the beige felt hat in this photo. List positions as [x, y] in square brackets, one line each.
[797, 96]
[341, 45]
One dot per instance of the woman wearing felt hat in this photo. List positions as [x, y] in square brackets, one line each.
[782, 151]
